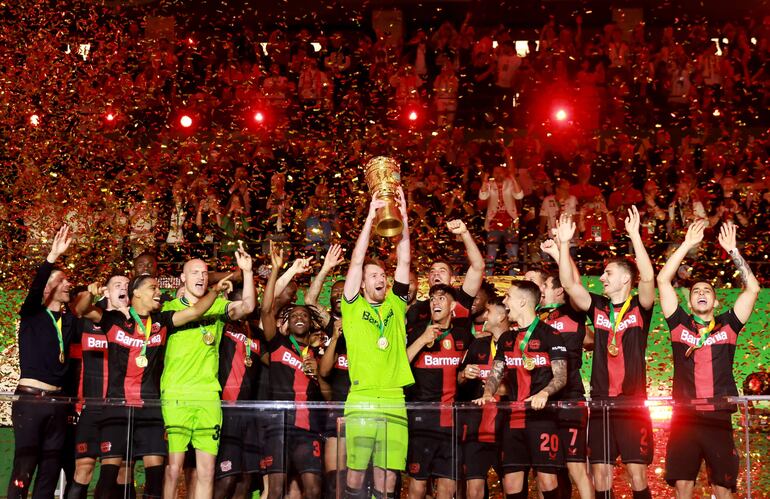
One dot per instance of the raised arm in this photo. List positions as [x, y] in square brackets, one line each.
[300, 266]
[356, 269]
[551, 248]
[643, 263]
[182, 317]
[403, 248]
[669, 300]
[744, 304]
[34, 299]
[329, 357]
[332, 259]
[475, 274]
[240, 309]
[579, 295]
[268, 300]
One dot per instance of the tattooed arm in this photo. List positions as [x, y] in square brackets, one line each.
[559, 380]
[493, 383]
[744, 304]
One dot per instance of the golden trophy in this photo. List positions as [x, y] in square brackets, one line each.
[383, 176]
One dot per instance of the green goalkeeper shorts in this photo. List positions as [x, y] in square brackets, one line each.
[376, 429]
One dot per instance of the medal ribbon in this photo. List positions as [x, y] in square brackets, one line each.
[146, 329]
[615, 321]
[524, 341]
[302, 352]
[492, 349]
[57, 326]
[704, 331]
[444, 334]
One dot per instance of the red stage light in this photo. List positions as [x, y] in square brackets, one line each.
[413, 116]
[34, 120]
[560, 115]
[185, 121]
[110, 116]
[259, 117]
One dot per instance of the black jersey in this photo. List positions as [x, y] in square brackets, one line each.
[624, 374]
[707, 373]
[39, 352]
[570, 325]
[339, 377]
[435, 367]
[94, 372]
[239, 368]
[478, 424]
[128, 380]
[288, 381]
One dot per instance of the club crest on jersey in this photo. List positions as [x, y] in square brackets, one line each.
[155, 327]
[446, 344]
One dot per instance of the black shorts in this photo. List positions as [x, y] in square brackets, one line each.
[624, 433]
[478, 458]
[132, 433]
[330, 423]
[535, 446]
[239, 448]
[292, 450]
[431, 455]
[573, 432]
[87, 433]
[695, 438]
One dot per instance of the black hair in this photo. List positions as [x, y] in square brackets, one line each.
[488, 288]
[441, 288]
[529, 288]
[136, 282]
[496, 301]
[316, 320]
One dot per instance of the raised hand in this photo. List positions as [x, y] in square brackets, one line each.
[224, 285]
[695, 233]
[565, 229]
[61, 241]
[401, 201]
[333, 257]
[277, 255]
[457, 227]
[301, 265]
[727, 236]
[243, 259]
[632, 221]
[550, 248]
[376, 204]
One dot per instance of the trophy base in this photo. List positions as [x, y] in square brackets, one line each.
[388, 222]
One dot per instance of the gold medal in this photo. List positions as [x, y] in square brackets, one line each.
[141, 361]
[61, 357]
[613, 350]
[382, 343]
[248, 361]
[528, 363]
[208, 338]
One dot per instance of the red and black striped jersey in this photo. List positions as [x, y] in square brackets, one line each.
[570, 325]
[435, 368]
[624, 374]
[707, 373]
[127, 380]
[478, 424]
[239, 380]
[95, 368]
[544, 346]
[288, 381]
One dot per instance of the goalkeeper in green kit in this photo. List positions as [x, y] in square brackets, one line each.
[190, 390]
[373, 319]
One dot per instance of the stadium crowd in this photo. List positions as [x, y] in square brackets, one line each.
[579, 147]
